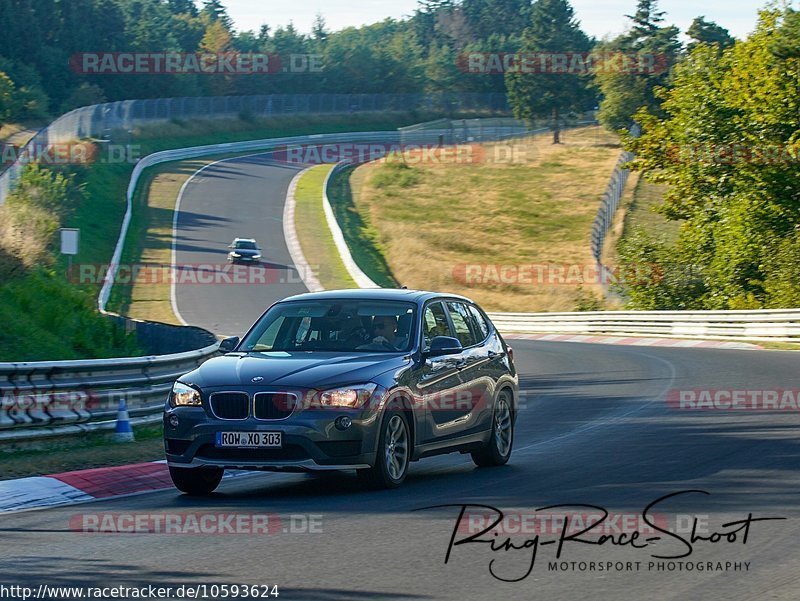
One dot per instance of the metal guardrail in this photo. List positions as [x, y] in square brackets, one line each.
[102, 120]
[758, 326]
[52, 398]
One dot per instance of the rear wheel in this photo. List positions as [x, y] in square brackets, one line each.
[196, 481]
[394, 453]
[498, 449]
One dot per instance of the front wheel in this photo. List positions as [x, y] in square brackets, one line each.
[394, 453]
[196, 481]
[498, 449]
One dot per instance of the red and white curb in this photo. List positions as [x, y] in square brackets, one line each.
[86, 485]
[635, 341]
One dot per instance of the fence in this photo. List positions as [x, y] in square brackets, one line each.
[610, 203]
[102, 120]
[52, 398]
[757, 326]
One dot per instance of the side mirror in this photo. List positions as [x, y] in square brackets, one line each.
[228, 344]
[444, 345]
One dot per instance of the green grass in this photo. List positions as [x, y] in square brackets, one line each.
[361, 237]
[93, 449]
[641, 212]
[46, 318]
[314, 234]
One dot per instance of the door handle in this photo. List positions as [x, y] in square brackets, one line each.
[494, 355]
[461, 364]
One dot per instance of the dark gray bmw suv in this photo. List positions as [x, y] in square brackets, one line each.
[357, 379]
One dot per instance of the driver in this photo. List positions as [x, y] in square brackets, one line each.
[384, 329]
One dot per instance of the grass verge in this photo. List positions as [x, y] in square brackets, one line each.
[361, 236]
[458, 226]
[640, 212]
[314, 234]
[94, 449]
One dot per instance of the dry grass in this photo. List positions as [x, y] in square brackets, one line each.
[434, 219]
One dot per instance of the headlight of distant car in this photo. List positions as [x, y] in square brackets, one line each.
[184, 396]
[235, 255]
[256, 256]
[351, 397]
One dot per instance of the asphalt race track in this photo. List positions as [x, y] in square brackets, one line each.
[594, 428]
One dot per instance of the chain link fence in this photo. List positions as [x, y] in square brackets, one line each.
[101, 120]
[611, 199]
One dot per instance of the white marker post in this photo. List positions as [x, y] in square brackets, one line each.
[70, 238]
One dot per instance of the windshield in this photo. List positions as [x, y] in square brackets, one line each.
[243, 245]
[334, 326]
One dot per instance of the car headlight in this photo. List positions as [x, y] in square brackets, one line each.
[256, 256]
[184, 396]
[351, 397]
[236, 255]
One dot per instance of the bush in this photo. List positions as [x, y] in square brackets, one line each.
[395, 173]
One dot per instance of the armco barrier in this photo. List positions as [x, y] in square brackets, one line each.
[758, 326]
[103, 120]
[49, 398]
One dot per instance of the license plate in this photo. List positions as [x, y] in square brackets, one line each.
[255, 440]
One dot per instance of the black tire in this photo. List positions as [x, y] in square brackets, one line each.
[498, 450]
[196, 481]
[381, 475]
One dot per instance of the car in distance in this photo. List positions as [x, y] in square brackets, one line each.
[244, 250]
[357, 379]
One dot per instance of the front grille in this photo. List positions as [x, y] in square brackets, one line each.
[289, 452]
[230, 405]
[273, 405]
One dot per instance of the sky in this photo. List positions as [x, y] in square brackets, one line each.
[598, 17]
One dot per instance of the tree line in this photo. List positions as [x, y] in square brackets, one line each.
[422, 53]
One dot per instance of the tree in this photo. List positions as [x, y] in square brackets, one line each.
[84, 95]
[183, 7]
[214, 10]
[656, 47]
[708, 32]
[726, 146]
[553, 32]
[319, 30]
[7, 100]
[497, 17]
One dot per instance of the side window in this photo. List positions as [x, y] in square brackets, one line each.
[461, 322]
[482, 328]
[434, 323]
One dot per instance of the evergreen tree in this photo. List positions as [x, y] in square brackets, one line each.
[553, 31]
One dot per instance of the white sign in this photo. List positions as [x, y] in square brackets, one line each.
[69, 241]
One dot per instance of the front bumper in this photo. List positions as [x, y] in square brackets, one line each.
[243, 259]
[311, 441]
